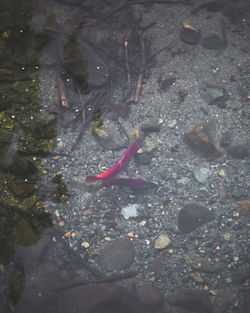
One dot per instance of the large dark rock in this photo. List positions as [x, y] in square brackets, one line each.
[133, 295]
[192, 216]
[117, 255]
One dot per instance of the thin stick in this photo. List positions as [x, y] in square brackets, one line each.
[126, 60]
[141, 73]
[60, 87]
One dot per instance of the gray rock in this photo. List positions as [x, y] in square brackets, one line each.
[117, 255]
[193, 300]
[212, 42]
[192, 216]
[213, 95]
[202, 174]
[183, 181]
[238, 151]
[133, 295]
[226, 139]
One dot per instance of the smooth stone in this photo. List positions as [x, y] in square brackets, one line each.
[238, 151]
[117, 255]
[202, 174]
[192, 216]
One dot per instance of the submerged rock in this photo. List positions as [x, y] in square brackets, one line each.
[238, 151]
[133, 295]
[189, 34]
[213, 95]
[202, 140]
[202, 174]
[193, 300]
[201, 264]
[212, 42]
[117, 255]
[223, 300]
[192, 216]
[243, 207]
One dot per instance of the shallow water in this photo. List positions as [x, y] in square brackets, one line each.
[79, 82]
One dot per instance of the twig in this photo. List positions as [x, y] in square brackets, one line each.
[60, 87]
[126, 61]
[141, 73]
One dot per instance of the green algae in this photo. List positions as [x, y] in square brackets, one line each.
[25, 130]
[17, 285]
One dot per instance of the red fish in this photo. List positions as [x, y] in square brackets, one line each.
[119, 166]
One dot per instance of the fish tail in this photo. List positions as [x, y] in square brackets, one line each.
[92, 178]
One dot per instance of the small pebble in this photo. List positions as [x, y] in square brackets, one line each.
[236, 259]
[61, 223]
[227, 236]
[221, 173]
[172, 124]
[67, 235]
[85, 244]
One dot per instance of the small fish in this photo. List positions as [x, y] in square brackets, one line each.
[119, 166]
[135, 183]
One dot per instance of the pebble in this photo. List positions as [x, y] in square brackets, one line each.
[202, 174]
[183, 181]
[68, 234]
[221, 173]
[85, 244]
[162, 241]
[227, 237]
[172, 124]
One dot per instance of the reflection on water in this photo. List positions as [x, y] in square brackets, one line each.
[26, 132]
